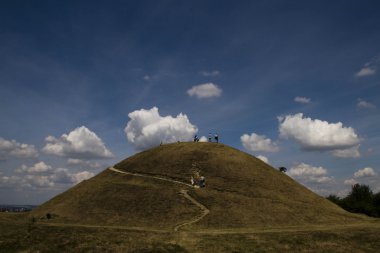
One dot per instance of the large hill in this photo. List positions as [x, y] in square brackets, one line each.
[151, 190]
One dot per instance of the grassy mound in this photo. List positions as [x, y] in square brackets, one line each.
[241, 192]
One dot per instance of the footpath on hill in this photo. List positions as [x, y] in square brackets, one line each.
[184, 193]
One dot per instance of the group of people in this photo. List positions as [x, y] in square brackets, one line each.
[198, 183]
[216, 138]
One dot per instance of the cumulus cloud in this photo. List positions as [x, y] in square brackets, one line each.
[263, 158]
[80, 176]
[366, 172]
[369, 68]
[83, 163]
[210, 73]
[16, 149]
[366, 71]
[79, 143]
[350, 182]
[302, 100]
[206, 90]
[41, 175]
[307, 173]
[362, 104]
[39, 167]
[10, 181]
[255, 142]
[316, 134]
[147, 128]
[346, 153]
[203, 139]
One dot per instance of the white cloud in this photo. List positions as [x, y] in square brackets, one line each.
[369, 68]
[79, 143]
[255, 142]
[263, 158]
[350, 182]
[41, 175]
[39, 167]
[346, 153]
[306, 169]
[206, 90]
[14, 148]
[9, 181]
[366, 172]
[302, 100]
[146, 78]
[80, 176]
[83, 163]
[366, 71]
[307, 173]
[203, 139]
[317, 134]
[362, 104]
[146, 128]
[210, 73]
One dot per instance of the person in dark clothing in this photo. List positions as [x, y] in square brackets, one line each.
[196, 139]
[209, 137]
[202, 182]
[216, 137]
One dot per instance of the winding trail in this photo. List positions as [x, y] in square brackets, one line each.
[150, 176]
[184, 193]
[204, 209]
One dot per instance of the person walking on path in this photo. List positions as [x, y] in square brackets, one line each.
[216, 137]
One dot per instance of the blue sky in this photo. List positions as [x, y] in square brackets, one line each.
[68, 64]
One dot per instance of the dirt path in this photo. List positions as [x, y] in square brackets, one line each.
[149, 176]
[295, 229]
[184, 193]
[204, 209]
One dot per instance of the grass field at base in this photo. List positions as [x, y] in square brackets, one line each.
[19, 234]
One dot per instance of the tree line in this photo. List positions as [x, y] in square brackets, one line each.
[361, 199]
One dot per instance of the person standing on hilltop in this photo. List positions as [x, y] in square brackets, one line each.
[216, 137]
[209, 137]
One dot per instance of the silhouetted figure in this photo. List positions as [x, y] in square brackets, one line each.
[202, 182]
[196, 139]
[216, 137]
[209, 137]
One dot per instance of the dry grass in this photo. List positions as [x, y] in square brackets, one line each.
[24, 236]
[241, 191]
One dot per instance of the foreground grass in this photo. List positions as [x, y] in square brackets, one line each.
[21, 235]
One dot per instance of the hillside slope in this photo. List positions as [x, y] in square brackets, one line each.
[241, 192]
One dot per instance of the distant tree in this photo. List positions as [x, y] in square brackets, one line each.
[360, 193]
[335, 199]
[359, 200]
[376, 204]
[282, 169]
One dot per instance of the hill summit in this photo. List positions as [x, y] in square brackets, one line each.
[152, 190]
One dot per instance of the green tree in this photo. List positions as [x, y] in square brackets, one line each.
[376, 204]
[335, 199]
[359, 200]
